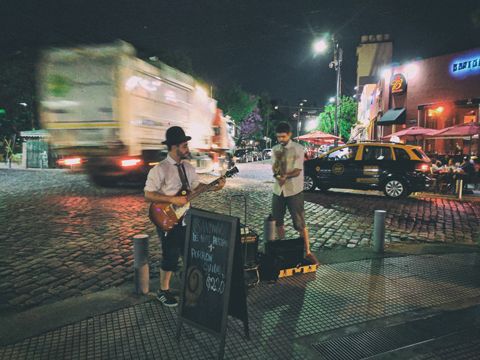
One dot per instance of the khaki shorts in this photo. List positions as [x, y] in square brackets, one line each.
[295, 207]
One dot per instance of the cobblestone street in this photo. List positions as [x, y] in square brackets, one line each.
[62, 237]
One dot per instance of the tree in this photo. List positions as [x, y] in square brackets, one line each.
[236, 103]
[347, 117]
[251, 126]
[265, 108]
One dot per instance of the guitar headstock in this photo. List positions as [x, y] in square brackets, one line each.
[231, 172]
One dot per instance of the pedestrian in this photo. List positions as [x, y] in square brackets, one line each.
[287, 169]
[164, 183]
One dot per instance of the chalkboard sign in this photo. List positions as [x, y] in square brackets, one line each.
[213, 271]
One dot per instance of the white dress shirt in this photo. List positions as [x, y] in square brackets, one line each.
[294, 156]
[164, 178]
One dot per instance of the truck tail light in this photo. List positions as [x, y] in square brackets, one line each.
[70, 161]
[131, 162]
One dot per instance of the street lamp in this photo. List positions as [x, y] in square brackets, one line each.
[320, 46]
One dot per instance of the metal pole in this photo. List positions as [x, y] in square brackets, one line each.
[337, 59]
[298, 122]
[379, 231]
[140, 264]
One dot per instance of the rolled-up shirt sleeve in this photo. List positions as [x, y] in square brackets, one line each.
[154, 180]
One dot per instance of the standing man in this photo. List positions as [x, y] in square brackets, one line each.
[288, 187]
[164, 182]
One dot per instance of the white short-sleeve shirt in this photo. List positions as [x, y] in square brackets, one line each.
[164, 178]
[294, 156]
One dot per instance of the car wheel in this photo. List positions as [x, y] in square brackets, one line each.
[308, 183]
[395, 189]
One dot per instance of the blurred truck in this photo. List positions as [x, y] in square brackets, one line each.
[107, 111]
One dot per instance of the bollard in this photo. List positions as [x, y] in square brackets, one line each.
[460, 189]
[140, 264]
[379, 231]
[269, 229]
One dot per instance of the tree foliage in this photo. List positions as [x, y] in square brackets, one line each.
[265, 107]
[251, 127]
[236, 103]
[347, 117]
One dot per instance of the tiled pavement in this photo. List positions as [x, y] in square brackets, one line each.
[61, 237]
[291, 319]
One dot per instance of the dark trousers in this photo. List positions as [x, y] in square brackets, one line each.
[173, 243]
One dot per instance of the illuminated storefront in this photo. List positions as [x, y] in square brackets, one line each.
[436, 93]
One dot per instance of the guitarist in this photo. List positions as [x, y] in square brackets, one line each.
[164, 182]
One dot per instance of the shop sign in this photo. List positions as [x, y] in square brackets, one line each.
[398, 85]
[465, 66]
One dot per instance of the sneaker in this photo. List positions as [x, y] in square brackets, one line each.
[312, 259]
[166, 298]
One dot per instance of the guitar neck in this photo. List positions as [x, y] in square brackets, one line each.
[192, 195]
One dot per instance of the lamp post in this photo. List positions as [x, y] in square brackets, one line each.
[337, 64]
[321, 46]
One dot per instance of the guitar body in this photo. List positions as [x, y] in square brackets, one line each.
[166, 215]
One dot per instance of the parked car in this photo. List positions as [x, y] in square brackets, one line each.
[396, 169]
[240, 155]
[257, 155]
[267, 154]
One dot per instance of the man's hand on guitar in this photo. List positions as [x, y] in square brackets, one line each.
[179, 200]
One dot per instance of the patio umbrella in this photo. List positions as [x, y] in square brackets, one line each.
[318, 137]
[462, 130]
[459, 131]
[415, 132]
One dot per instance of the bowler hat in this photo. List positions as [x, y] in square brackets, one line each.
[175, 135]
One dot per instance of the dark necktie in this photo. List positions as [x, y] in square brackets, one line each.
[183, 176]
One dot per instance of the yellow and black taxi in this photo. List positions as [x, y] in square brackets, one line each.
[397, 169]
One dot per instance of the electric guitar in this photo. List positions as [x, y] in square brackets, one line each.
[166, 215]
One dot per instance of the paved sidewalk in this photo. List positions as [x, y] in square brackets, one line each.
[390, 303]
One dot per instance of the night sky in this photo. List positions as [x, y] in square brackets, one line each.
[261, 45]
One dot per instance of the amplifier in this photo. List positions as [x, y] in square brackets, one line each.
[289, 253]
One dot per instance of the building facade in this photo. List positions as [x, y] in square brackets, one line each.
[435, 93]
